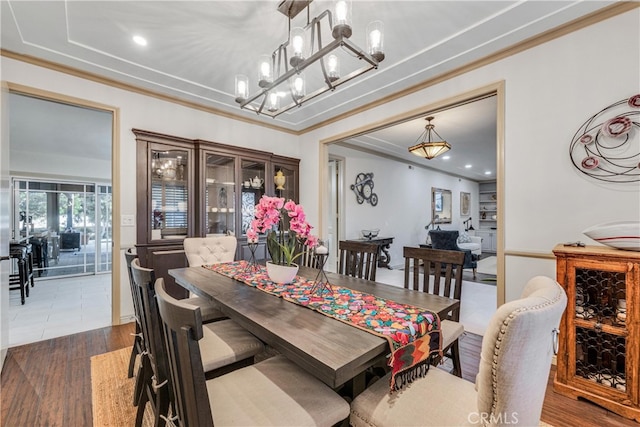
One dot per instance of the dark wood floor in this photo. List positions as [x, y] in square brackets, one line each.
[48, 383]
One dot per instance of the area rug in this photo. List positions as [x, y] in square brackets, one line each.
[487, 265]
[112, 391]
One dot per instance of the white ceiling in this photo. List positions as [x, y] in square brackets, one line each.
[37, 125]
[469, 128]
[197, 47]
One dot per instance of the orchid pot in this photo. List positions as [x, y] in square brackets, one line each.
[282, 274]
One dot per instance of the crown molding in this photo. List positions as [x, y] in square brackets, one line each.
[135, 89]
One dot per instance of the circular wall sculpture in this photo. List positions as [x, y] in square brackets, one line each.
[607, 146]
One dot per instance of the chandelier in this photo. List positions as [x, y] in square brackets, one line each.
[429, 148]
[307, 64]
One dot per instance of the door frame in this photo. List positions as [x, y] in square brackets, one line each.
[497, 89]
[115, 176]
[336, 191]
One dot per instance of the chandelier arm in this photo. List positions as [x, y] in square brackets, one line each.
[322, 65]
[264, 101]
[281, 52]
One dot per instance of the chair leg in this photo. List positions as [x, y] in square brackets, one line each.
[162, 405]
[137, 349]
[21, 265]
[132, 360]
[474, 272]
[455, 358]
[140, 412]
[144, 380]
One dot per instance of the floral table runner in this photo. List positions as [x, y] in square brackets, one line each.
[413, 333]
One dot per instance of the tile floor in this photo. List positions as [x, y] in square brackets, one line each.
[58, 307]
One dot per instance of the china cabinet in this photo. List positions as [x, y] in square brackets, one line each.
[599, 342]
[197, 188]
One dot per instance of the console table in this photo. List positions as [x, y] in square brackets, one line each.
[383, 249]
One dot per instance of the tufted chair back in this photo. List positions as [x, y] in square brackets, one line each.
[511, 382]
[517, 350]
[210, 250]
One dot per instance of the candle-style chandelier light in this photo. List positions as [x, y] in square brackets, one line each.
[306, 65]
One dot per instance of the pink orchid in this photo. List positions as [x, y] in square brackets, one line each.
[269, 218]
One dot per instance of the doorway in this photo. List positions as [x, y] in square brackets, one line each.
[494, 90]
[71, 219]
[61, 151]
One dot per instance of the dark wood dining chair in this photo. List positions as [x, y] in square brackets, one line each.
[448, 240]
[226, 346]
[151, 381]
[274, 391]
[358, 259]
[307, 258]
[138, 345]
[446, 269]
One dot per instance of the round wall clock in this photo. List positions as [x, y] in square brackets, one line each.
[364, 189]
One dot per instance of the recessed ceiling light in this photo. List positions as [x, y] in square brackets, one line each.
[467, 166]
[445, 157]
[140, 40]
[487, 172]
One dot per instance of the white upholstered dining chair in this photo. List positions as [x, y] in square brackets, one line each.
[510, 386]
[205, 251]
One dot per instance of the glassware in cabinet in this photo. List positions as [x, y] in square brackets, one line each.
[253, 173]
[220, 194]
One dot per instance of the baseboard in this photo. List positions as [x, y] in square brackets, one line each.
[127, 319]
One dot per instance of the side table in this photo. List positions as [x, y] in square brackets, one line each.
[384, 243]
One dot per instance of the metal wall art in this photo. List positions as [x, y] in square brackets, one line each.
[364, 189]
[607, 146]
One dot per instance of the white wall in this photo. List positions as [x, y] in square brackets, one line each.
[550, 91]
[404, 199]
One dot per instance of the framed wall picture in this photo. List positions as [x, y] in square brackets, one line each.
[465, 204]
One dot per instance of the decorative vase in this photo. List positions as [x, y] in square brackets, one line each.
[279, 180]
[281, 273]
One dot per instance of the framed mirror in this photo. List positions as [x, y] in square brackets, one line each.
[440, 206]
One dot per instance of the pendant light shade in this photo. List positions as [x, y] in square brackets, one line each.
[430, 148]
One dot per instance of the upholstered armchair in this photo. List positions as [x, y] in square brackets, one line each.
[512, 379]
[448, 240]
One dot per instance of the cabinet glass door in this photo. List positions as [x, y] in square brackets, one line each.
[169, 194]
[220, 194]
[284, 182]
[253, 187]
[600, 320]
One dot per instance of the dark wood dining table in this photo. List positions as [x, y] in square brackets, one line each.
[333, 351]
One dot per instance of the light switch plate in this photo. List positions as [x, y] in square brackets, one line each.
[128, 220]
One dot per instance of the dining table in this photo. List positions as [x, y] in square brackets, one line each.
[333, 351]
